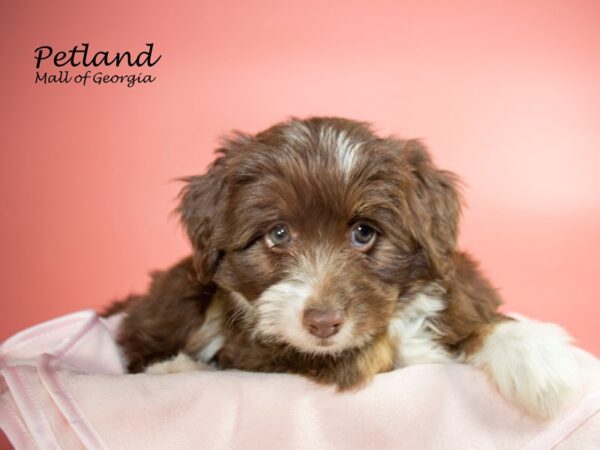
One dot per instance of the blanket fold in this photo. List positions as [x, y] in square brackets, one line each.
[63, 386]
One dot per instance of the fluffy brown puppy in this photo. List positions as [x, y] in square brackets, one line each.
[325, 250]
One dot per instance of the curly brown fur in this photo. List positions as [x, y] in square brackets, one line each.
[366, 277]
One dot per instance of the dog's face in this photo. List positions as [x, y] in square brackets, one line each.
[317, 227]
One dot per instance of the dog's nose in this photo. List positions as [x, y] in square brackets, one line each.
[322, 323]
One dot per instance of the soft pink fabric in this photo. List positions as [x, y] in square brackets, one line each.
[62, 386]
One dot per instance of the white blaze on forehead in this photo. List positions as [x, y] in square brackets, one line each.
[346, 148]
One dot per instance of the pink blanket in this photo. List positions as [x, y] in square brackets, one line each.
[62, 386]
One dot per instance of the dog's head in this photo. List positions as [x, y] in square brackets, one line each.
[317, 228]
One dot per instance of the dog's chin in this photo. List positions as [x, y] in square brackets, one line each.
[311, 345]
[324, 346]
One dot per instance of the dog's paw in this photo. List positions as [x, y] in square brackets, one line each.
[532, 364]
[179, 363]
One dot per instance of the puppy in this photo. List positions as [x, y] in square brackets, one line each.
[322, 249]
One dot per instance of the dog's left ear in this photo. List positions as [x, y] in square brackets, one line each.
[435, 202]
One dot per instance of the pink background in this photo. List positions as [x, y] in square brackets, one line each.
[507, 94]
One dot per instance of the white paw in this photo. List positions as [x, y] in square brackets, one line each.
[532, 364]
[179, 363]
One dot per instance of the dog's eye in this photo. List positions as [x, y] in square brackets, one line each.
[278, 236]
[363, 236]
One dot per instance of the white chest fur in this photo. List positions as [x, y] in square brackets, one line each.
[415, 330]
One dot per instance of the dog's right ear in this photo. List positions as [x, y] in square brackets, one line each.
[202, 207]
